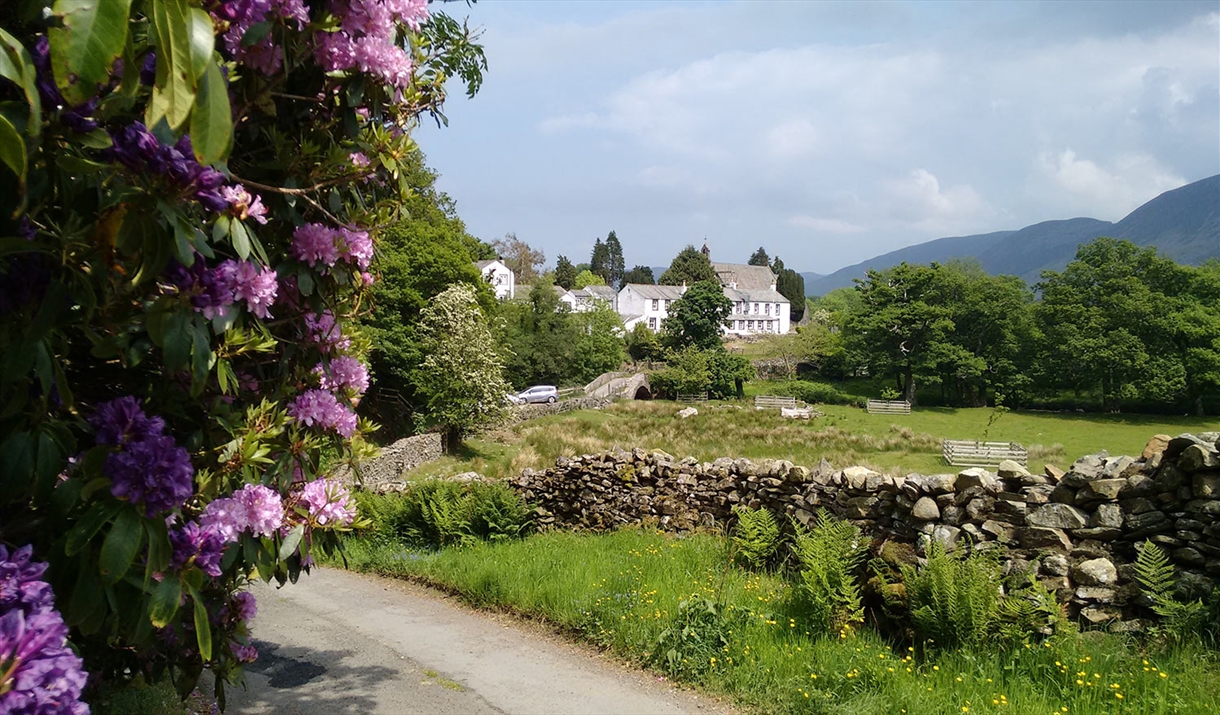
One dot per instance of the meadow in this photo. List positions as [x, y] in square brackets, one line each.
[844, 436]
[683, 608]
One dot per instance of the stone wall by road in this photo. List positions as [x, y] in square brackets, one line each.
[1076, 531]
[384, 472]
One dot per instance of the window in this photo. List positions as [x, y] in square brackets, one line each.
[655, 304]
[767, 308]
[652, 322]
[667, 304]
[750, 325]
[755, 311]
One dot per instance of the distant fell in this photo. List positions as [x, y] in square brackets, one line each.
[1183, 223]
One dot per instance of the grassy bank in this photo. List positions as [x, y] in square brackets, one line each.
[745, 635]
[893, 443]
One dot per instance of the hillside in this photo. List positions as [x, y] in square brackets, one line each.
[1184, 224]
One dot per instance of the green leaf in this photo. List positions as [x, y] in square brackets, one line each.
[177, 345]
[17, 65]
[203, 629]
[212, 119]
[84, 49]
[159, 547]
[173, 93]
[201, 42]
[240, 239]
[256, 34]
[17, 454]
[202, 352]
[12, 151]
[164, 603]
[292, 541]
[120, 546]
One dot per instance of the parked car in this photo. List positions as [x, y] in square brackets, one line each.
[539, 393]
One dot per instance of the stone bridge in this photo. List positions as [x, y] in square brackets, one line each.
[624, 385]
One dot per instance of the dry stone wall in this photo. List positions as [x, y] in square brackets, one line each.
[1075, 531]
[385, 471]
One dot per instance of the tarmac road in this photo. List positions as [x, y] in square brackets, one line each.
[340, 642]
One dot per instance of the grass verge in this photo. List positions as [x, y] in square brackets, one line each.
[632, 592]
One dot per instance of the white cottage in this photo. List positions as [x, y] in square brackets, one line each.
[501, 278]
[649, 304]
[586, 298]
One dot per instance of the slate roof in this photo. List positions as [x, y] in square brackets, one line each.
[746, 277]
[755, 296]
[656, 292]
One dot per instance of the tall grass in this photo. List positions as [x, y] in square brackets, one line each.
[625, 591]
[844, 436]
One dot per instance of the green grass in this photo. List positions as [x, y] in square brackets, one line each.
[623, 590]
[845, 436]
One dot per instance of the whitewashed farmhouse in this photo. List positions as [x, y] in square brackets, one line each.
[757, 307]
[501, 278]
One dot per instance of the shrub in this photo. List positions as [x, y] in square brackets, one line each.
[816, 393]
[829, 554]
[954, 601]
[436, 513]
[756, 537]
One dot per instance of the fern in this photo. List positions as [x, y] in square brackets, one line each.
[954, 601]
[1027, 612]
[1158, 579]
[756, 537]
[830, 554]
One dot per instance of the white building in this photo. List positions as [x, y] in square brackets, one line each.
[649, 304]
[501, 278]
[586, 298]
[757, 307]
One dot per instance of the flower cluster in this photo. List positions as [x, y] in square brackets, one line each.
[316, 244]
[236, 17]
[366, 38]
[213, 290]
[329, 502]
[40, 673]
[198, 545]
[254, 508]
[326, 332]
[343, 373]
[149, 468]
[137, 149]
[318, 408]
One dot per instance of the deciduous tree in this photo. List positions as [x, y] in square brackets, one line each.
[462, 376]
[698, 318]
[639, 274]
[520, 257]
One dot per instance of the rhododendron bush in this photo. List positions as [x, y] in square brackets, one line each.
[190, 194]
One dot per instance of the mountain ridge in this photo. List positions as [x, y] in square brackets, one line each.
[1182, 223]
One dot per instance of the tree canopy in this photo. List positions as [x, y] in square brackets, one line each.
[689, 267]
[565, 272]
[520, 257]
[615, 266]
[639, 274]
[698, 318]
[759, 258]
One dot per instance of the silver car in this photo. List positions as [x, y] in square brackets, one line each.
[538, 393]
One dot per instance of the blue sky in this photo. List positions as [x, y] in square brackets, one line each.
[826, 132]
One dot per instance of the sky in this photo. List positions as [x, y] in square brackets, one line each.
[827, 133]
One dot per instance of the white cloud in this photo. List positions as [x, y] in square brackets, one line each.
[1109, 193]
[793, 139]
[918, 198]
[825, 225]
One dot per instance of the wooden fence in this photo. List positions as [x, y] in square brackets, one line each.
[773, 402]
[702, 397]
[889, 407]
[967, 453]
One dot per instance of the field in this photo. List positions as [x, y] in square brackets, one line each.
[682, 608]
[897, 444]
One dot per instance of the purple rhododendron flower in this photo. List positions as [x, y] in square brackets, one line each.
[155, 472]
[139, 150]
[245, 606]
[264, 508]
[314, 243]
[122, 420]
[329, 502]
[78, 118]
[326, 332]
[227, 517]
[344, 373]
[21, 584]
[366, 38]
[358, 247]
[318, 408]
[245, 653]
[359, 160]
[197, 544]
[252, 284]
[38, 672]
